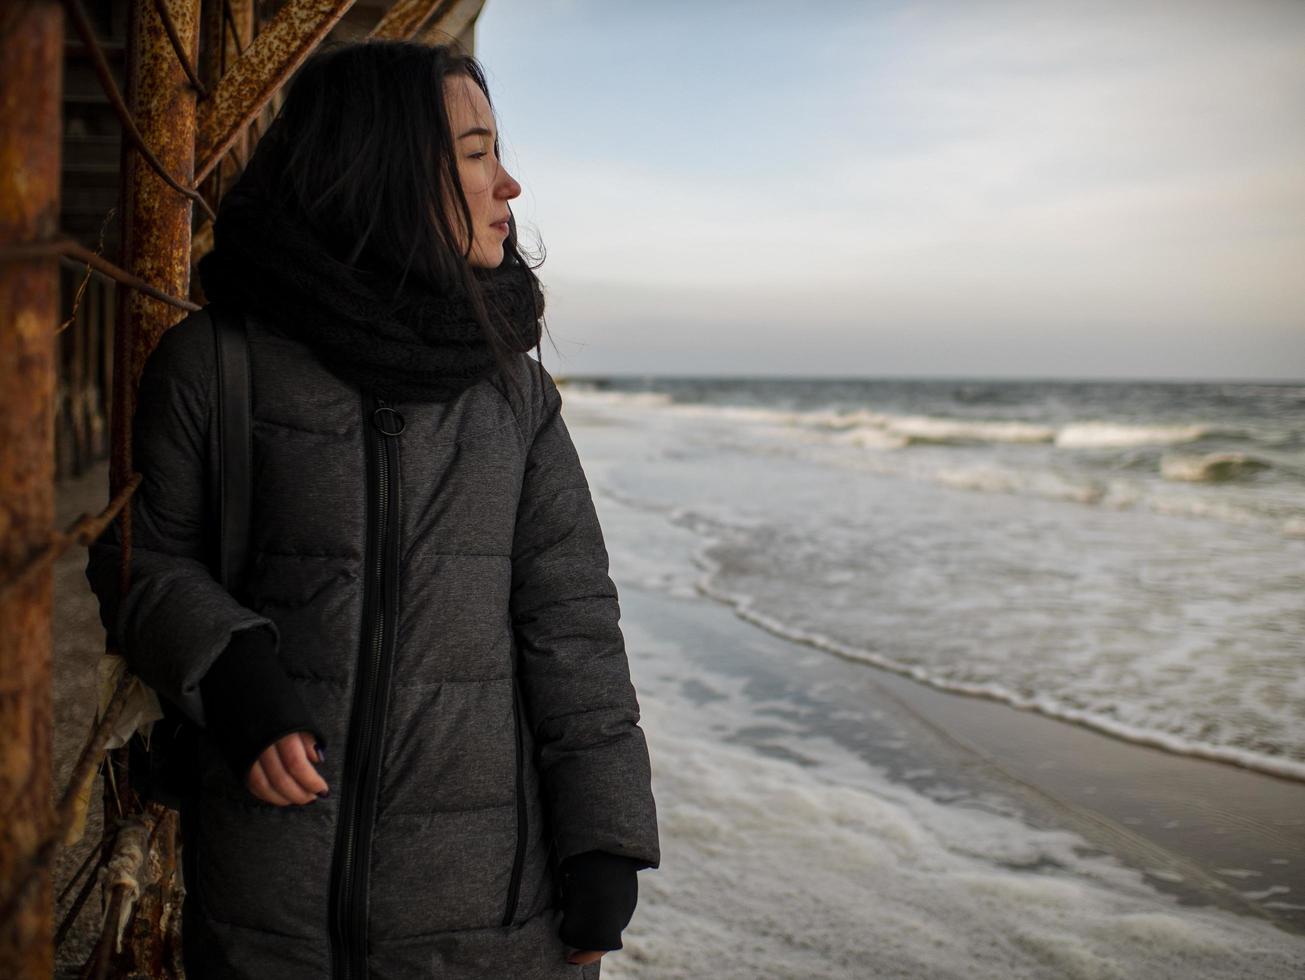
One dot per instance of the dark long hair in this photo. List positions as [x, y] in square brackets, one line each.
[363, 147]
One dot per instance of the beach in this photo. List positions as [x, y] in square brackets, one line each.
[825, 817]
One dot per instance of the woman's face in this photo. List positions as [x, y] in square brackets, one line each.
[486, 184]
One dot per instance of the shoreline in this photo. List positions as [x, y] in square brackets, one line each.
[1286, 770]
[1209, 831]
[1170, 817]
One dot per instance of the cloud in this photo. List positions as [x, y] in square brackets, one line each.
[1012, 167]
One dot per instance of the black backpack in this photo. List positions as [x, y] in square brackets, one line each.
[165, 769]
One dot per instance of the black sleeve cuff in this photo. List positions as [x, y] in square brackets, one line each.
[249, 700]
[599, 891]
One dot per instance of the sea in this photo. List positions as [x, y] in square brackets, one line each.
[1128, 555]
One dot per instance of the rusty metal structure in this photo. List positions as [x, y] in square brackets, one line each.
[122, 122]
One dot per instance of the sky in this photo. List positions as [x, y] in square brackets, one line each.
[971, 188]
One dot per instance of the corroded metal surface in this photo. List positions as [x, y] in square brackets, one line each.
[76, 250]
[406, 17]
[240, 31]
[129, 128]
[156, 220]
[179, 47]
[31, 53]
[265, 66]
[155, 248]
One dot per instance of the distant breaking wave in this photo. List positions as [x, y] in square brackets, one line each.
[1128, 464]
[1111, 435]
[1210, 468]
[887, 430]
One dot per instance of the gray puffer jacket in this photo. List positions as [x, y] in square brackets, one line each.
[441, 599]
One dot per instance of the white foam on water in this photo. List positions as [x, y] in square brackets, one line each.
[1160, 640]
[871, 437]
[775, 869]
[920, 429]
[927, 429]
[993, 477]
[1096, 435]
[748, 608]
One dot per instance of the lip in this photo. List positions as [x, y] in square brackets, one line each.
[503, 226]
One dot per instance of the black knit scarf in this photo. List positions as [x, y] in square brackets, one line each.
[405, 340]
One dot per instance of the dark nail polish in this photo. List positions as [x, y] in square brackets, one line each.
[324, 794]
[321, 752]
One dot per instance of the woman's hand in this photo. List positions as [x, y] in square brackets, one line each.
[584, 957]
[284, 773]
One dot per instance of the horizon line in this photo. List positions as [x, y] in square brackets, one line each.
[636, 375]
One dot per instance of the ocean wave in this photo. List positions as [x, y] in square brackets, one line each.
[877, 440]
[584, 392]
[931, 430]
[1110, 435]
[889, 430]
[871, 437]
[1210, 467]
[992, 478]
[747, 608]
[1125, 494]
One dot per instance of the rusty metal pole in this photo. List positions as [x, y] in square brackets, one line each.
[156, 223]
[31, 91]
[242, 26]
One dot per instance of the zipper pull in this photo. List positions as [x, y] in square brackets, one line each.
[387, 420]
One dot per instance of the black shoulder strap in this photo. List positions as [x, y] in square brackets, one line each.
[235, 441]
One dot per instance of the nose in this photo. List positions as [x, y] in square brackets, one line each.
[506, 186]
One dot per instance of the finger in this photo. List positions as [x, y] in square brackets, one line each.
[260, 787]
[310, 746]
[584, 957]
[295, 759]
[282, 781]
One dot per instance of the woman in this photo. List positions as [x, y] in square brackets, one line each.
[421, 754]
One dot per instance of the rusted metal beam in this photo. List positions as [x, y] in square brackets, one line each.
[453, 22]
[155, 248]
[241, 21]
[265, 66]
[406, 17]
[130, 130]
[156, 224]
[59, 246]
[238, 31]
[178, 48]
[31, 90]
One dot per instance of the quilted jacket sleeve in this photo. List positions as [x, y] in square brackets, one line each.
[574, 673]
[175, 619]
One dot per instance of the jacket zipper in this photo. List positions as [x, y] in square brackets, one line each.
[352, 859]
[514, 884]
